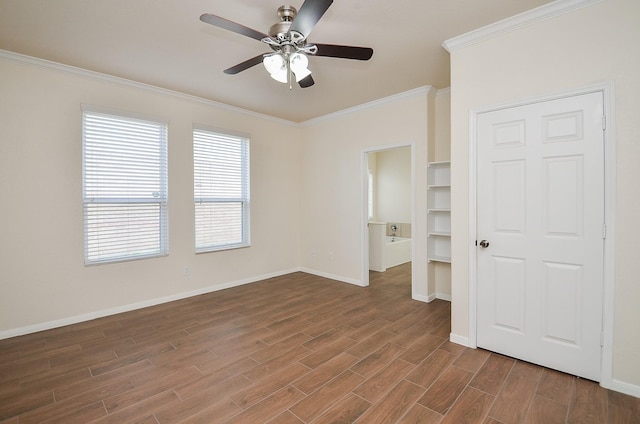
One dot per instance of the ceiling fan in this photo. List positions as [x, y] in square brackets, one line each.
[288, 40]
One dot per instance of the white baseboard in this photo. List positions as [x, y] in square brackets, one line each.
[333, 277]
[430, 298]
[626, 388]
[133, 306]
[443, 296]
[461, 340]
[421, 298]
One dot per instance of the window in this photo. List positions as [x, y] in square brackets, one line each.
[221, 190]
[124, 182]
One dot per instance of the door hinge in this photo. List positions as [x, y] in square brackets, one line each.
[604, 231]
[604, 122]
[601, 339]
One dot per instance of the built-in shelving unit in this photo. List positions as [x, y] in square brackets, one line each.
[439, 210]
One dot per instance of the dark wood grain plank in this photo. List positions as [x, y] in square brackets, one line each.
[269, 408]
[470, 408]
[378, 359]
[513, 401]
[493, 373]
[446, 389]
[556, 386]
[430, 369]
[546, 411]
[324, 373]
[377, 385]
[346, 411]
[589, 403]
[418, 414]
[290, 349]
[316, 403]
[393, 405]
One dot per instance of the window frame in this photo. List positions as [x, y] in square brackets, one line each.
[243, 199]
[159, 197]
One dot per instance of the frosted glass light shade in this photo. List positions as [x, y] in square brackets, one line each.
[299, 63]
[276, 66]
[273, 63]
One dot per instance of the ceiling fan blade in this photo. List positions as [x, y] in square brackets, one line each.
[245, 65]
[306, 82]
[344, 52]
[308, 16]
[232, 26]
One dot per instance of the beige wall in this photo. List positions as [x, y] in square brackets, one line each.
[441, 150]
[393, 188]
[306, 193]
[594, 44]
[42, 275]
[333, 180]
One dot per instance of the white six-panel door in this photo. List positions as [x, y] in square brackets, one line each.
[540, 212]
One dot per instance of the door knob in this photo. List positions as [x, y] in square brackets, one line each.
[484, 244]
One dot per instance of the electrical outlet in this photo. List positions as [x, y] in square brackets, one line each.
[314, 253]
[186, 270]
[330, 255]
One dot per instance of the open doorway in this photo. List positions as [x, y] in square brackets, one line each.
[389, 210]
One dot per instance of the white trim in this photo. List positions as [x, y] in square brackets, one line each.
[539, 14]
[364, 238]
[89, 108]
[608, 300]
[610, 201]
[138, 305]
[16, 57]
[421, 298]
[626, 388]
[375, 103]
[414, 257]
[34, 61]
[471, 240]
[234, 133]
[461, 340]
[443, 296]
[443, 91]
[333, 277]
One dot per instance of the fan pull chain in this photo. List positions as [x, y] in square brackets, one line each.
[289, 73]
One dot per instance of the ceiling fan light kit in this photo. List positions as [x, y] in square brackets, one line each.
[288, 40]
[275, 65]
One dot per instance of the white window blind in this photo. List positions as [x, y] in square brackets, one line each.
[124, 188]
[221, 190]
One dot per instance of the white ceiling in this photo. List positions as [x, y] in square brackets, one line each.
[163, 43]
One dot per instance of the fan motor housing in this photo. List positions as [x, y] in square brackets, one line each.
[280, 29]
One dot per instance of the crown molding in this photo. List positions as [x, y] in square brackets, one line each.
[539, 14]
[43, 63]
[34, 61]
[426, 89]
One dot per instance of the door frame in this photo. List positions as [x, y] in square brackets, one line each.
[365, 211]
[609, 152]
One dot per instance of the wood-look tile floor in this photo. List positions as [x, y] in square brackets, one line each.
[292, 349]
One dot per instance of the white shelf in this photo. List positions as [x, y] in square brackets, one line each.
[439, 174]
[439, 163]
[440, 233]
[439, 211]
[444, 259]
